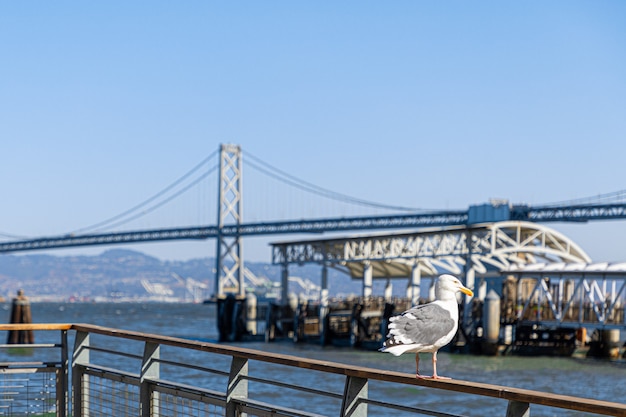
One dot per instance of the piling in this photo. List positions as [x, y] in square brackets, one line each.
[251, 313]
[610, 338]
[20, 313]
[604, 344]
[491, 323]
[230, 318]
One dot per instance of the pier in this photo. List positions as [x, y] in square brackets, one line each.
[108, 371]
[536, 292]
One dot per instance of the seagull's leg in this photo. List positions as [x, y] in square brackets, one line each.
[417, 365]
[435, 376]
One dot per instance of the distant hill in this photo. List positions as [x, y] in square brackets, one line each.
[127, 274]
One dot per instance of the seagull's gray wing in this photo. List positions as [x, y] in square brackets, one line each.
[423, 324]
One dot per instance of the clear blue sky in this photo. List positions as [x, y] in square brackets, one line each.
[424, 104]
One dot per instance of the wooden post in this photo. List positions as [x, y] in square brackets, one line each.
[20, 313]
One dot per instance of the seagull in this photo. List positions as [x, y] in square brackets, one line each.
[427, 327]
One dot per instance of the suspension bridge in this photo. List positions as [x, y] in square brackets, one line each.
[551, 273]
[227, 164]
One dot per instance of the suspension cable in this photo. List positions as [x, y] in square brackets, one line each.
[312, 188]
[12, 236]
[163, 202]
[128, 212]
[607, 198]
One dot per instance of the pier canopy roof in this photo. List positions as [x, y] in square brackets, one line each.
[488, 248]
[571, 269]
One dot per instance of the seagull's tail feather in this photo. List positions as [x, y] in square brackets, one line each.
[397, 350]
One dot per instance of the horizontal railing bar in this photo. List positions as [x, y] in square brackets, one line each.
[252, 406]
[293, 387]
[29, 370]
[31, 345]
[194, 367]
[189, 392]
[33, 364]
[108, 373]
[35, 326]
[408, 409]
[114, 352]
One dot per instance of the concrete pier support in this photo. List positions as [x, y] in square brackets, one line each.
[251, 313]
[413, 290]
[470, 279]
[323, 326]
[388, 291]
[470, 282]
[367, 280]
[491, 317]
[491, 323]
[431, 290]
[284, 284]
[481, 289]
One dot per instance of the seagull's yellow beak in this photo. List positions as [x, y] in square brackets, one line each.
[467, 291]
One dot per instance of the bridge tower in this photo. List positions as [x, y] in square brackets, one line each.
[229, 271]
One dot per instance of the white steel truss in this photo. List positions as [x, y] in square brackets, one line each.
[486, 248]
[573, 294]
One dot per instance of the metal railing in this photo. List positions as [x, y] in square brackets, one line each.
[124, 373]
[38, 386]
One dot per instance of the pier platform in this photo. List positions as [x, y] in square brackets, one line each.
[361, 322]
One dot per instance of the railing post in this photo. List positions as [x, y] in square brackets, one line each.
[150, 369]
[62, 382]
[518, 409]
[354, 391]
[237, 385]
[80, 386]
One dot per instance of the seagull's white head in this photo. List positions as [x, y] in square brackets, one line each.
[447, 286]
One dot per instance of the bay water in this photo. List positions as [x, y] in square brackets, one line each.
[588, 378]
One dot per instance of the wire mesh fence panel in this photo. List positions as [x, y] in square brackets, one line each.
[170, 405]
[28, 392]
[107, 397]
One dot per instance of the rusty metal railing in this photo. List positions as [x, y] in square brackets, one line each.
[125, 373]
